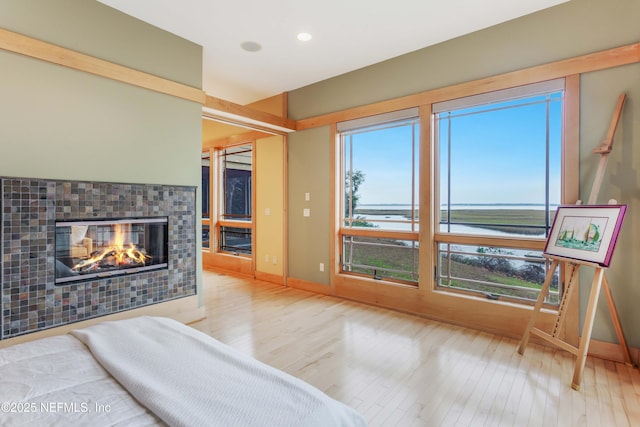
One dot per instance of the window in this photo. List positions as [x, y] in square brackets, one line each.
[379, 210]
[236, 240]
[206, 236]
[499, 183]
[206, 180]
[206, 198]
[235, 199]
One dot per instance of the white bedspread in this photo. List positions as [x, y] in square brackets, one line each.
[56, 382]
[189, 379]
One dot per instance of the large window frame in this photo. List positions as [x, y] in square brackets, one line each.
[498, 268]
[222, 228]
[206, 160]
[234, 222]
[428, 235]
[427, 300]
[384, 248]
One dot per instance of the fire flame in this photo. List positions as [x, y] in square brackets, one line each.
[122, 255]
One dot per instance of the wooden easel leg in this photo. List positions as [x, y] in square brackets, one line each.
[536, 309]
[581, 356]
[616, 321]
[567, 295]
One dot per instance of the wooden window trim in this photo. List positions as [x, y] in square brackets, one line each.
[503, 242]
[235, 224]
[383, 234]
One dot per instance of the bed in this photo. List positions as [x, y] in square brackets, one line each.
[153, 371]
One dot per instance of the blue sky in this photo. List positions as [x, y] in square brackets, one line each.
[501, 149]
[385, 158]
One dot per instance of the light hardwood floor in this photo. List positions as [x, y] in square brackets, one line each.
[403, 370]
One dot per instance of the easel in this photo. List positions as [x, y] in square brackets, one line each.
[572, 266]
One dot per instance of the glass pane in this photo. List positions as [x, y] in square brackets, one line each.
[206, 237]
[236, 173]
[499, 167]
[380, 176]
[105, 248]
[381, 258]
[495, 272]
[235, 240]
[206, 180]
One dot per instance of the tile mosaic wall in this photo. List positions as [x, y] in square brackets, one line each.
[30, 207]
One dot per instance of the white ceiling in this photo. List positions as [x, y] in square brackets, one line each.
[347, 35]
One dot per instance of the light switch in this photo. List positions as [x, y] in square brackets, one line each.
[307, 196]
[267, 211]
[306, 212]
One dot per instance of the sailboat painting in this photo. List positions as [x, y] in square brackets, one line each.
[582, 233]
[587, 233]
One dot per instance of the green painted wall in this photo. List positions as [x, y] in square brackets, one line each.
[309, 172]
[89, 27]
[600, 91]
[574, 28]
[58, 123]
[571, 29]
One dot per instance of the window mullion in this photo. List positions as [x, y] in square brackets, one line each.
[448, 172]
[413, 177]
[350, 145]
[547, 166]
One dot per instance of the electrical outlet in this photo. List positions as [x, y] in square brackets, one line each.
[306, 212]
[266, 258]
[275, 259]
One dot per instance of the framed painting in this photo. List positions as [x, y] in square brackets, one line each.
[586, 233]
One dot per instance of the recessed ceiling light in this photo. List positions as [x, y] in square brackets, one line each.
[304, 37]
[251, 46]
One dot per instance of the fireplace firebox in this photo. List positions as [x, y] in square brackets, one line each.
[105, 248]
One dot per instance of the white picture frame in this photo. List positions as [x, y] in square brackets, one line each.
[586, 232]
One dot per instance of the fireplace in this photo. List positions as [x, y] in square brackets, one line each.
[90, 249]
[47, 227]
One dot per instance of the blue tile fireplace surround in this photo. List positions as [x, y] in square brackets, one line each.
[31, 208]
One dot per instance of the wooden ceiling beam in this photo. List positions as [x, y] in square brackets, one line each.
[244, 115]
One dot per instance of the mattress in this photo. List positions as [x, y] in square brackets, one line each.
[56, 381]
[154, 371]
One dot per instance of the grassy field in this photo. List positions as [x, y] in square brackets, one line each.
[402, 258]
[494, 219]
[397, 261]
[520, 288]
[506, 220]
